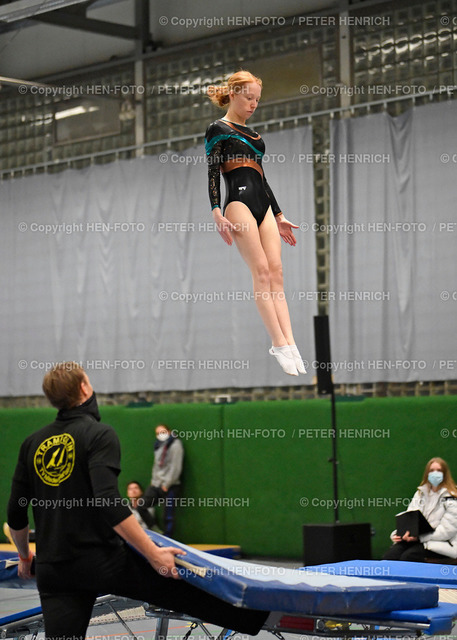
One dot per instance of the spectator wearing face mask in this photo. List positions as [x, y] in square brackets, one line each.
[436, 498]
[166, 473]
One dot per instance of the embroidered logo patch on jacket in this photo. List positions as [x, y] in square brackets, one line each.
[55, 458]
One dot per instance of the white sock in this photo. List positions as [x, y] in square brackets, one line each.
[297, 358]
[285, 358]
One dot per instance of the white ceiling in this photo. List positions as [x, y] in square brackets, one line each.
[34, 50]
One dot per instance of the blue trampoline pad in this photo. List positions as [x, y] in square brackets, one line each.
[8, 573]
[307, 592]
[443, 575]
[440, 619]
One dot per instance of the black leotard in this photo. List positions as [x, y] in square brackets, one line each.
[237, 151]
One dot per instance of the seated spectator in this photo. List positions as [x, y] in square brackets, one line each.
[134, 494]
[436, 498]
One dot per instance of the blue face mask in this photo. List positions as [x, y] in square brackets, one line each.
[435, 478]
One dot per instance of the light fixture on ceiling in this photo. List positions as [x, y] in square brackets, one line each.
[74, 111]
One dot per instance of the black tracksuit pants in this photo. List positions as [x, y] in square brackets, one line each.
[68, 592]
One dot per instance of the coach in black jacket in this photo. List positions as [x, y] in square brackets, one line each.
[68, 472]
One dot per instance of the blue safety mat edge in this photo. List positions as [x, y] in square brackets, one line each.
[439, 618]
[21, 615]
[245, 591]
[445, 576]
[8, 574]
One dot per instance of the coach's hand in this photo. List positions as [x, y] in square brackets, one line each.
[24, 569]
[163, 561]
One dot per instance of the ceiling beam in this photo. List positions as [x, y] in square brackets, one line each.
[81, 23]
[142, 20]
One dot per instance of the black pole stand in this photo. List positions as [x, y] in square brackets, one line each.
[335, 542]
[334, 458]
[325, 387]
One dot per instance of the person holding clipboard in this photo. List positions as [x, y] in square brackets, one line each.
[428, 528]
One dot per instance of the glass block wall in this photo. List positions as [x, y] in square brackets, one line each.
[414, 50]
[176, 113]
[400, 50]
[26, 123]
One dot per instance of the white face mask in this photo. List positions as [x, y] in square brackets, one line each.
[162, 436]
[435, 478]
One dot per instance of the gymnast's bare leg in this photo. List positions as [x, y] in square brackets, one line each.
[260, 247]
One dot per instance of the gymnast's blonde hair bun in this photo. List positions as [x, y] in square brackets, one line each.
[219, 95]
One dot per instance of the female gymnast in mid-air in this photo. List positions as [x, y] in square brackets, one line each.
[251, 212]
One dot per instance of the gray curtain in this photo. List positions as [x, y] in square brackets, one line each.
[118, 267]
[393, 246]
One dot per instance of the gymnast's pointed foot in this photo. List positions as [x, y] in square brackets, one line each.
[285, 358]
[297, 358]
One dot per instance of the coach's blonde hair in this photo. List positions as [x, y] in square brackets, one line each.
[219, 95]
[62, 384]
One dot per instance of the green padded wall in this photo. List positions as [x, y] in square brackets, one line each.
[383, 446]
[269, 462]
[275, 467]
[383, 473]
[203, 471]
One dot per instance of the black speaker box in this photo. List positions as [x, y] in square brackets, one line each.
[323, 359]
[326, 543]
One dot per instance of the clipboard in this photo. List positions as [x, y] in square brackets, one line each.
[413, 521]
